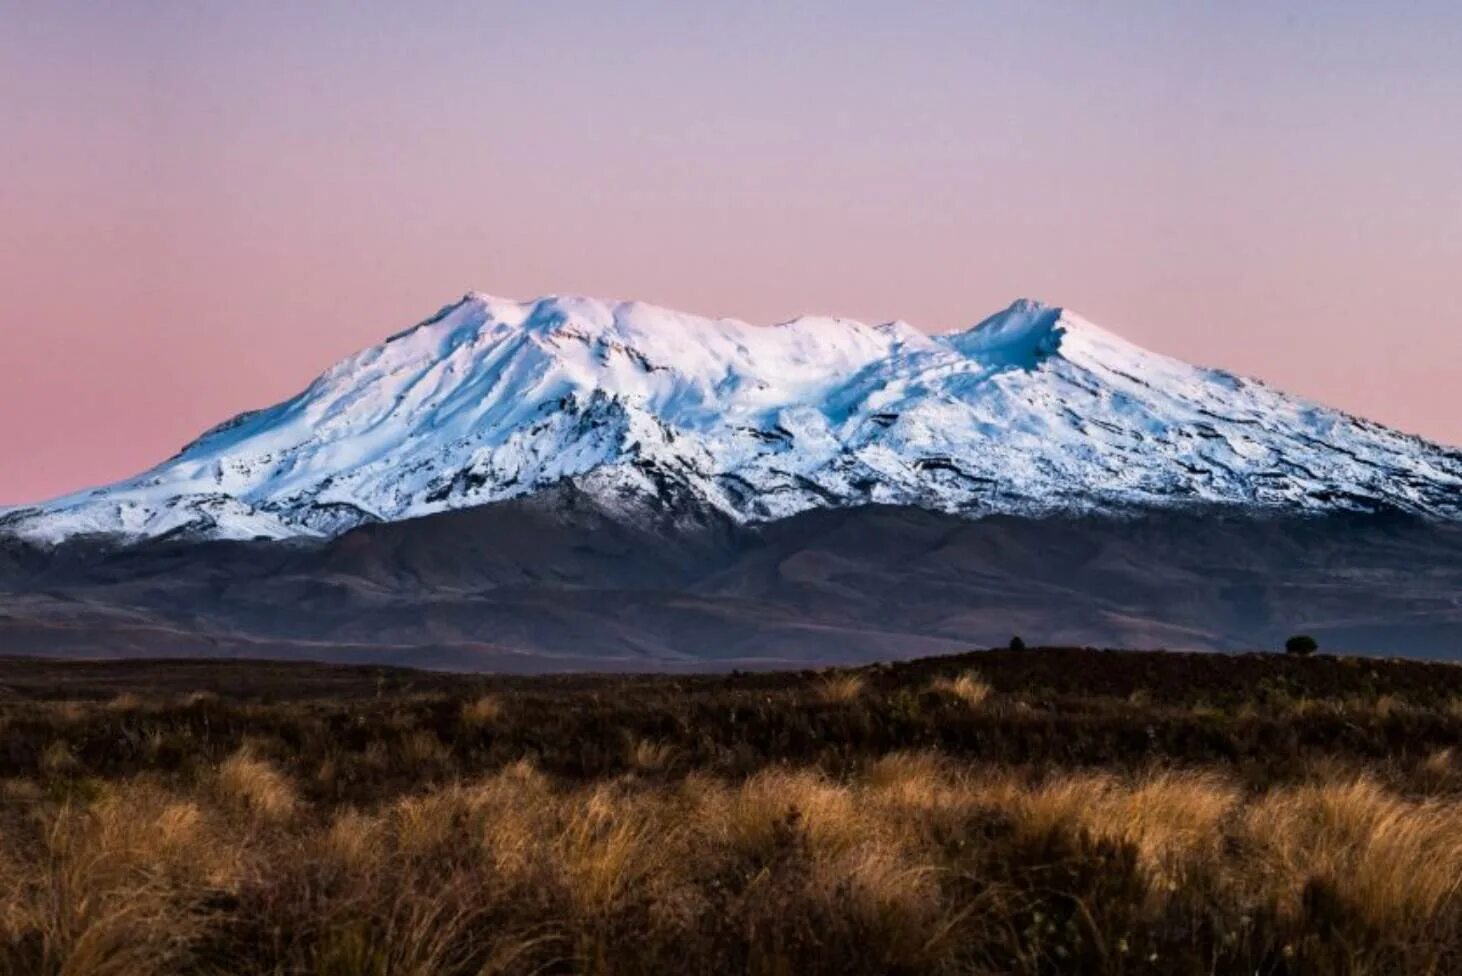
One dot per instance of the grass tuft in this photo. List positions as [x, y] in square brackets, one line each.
[841, 688]
[482, 712]
[967, 688]
[253, 784]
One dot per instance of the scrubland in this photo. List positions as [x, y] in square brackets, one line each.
[1046, 811]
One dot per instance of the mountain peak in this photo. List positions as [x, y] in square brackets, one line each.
[1031, 410]
[1026, 322]
[1022, 334]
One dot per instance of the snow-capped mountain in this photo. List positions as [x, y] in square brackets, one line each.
[1032, 411]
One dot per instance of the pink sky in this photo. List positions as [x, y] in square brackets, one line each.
[204, 205]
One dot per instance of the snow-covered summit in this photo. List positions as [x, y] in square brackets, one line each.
[1033, 410]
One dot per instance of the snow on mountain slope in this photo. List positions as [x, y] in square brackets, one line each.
[1033, 410]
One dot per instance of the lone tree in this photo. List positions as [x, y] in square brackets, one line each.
[1301, 645]
[1016, 644]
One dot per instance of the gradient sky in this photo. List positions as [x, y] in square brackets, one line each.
[202, 205]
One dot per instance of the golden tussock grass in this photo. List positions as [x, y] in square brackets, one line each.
[608, 844]
[1389, 861]
[1388, 705]
[251, 782]
[1172, 821]
[59, 759]
[423, 748]
[126, 702]
[841, 688]
[482, 711]
[649, 755]
[967, 687]
[113, 887]
[917, 859]
[1441, 770]
[898, 820]
[350, 841]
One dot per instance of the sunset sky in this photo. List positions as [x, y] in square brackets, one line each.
[205, 204]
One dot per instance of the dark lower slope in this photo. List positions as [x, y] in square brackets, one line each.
[557, 583]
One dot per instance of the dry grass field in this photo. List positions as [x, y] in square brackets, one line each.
[1041, 811]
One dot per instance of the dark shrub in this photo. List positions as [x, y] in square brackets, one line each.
[1016, 644]
[1301, 644]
